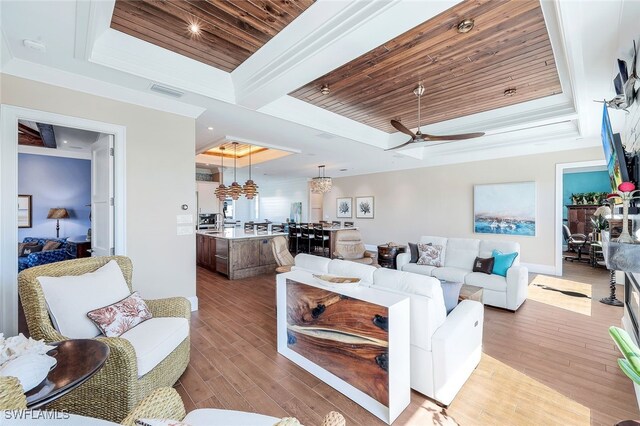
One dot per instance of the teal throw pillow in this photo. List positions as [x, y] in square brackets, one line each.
[502, 262]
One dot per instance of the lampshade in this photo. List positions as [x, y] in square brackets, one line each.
[321, 184]
[58, 213]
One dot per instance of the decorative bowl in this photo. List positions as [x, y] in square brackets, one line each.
[29, 369]
[333, 280]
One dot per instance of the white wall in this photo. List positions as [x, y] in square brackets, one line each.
[276, 197]
[439, 200]
[164, 263]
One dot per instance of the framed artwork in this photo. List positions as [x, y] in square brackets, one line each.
[344, 207]
[24, 211]
[364, 207]
[505, 208]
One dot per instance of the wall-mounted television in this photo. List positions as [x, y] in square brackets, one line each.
[613, 152]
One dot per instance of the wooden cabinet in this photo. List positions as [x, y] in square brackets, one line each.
[245, 254]
[266, 254]
[205, 251]
[222, 256]
[579, 218]
[235, 257]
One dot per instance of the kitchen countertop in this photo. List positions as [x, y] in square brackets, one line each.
[238, 233]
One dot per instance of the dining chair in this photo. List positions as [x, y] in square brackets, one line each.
[348, 224]
[336, 224]
[294, 237]
[306, 235]
[321, 239]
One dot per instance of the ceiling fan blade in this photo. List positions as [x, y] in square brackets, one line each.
[400, 146]
[453, 137]
[400, 127]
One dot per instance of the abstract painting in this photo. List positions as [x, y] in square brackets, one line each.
[505, 208]
[364, 207]
[343, 207]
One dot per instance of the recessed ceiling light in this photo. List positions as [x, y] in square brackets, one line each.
[194, 28]
[465, 26]
[510, 91]
[64, 141]
[210, 128]
[325, 89]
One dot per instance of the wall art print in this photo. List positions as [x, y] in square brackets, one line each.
[344, 207]
[505, 208]
[364, 207]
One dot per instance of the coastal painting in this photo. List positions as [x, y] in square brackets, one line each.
[505, 208]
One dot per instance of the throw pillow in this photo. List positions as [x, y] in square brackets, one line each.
[502, 262]
[51, 245]
[21, 247]
[451, 293]
[117, 318]
[69, 298]
[31, 249]
[430, 254]
[484, 265]
[413, 249]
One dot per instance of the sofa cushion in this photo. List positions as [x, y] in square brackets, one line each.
[484, 265]
[430, 254]
[461, 252]
[119, 317]
[346, 268]
[215, 416]
[69, 298]
[154, 339]
[503, 262]
[419, 269]
[311, 263]
[490, 282]
[449, 273]
[450, 293]
[488, 246]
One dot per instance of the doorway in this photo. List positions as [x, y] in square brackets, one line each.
[114, 136]
[561, 170]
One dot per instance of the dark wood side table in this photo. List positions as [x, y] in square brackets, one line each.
[387, 255]
[78, 360]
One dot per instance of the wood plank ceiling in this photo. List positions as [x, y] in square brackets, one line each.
[228, 32]
[463, 74]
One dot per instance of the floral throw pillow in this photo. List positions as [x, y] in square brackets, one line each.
[430, 254]
[116, 319]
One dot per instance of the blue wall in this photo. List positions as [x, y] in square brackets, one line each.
[55, 182]
[583, 182]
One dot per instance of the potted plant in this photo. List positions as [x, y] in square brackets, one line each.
[576, 198]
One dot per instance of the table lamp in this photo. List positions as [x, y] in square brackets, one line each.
[57, 214]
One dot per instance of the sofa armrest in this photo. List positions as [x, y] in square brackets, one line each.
[517, 286]
[170, 307]
[162, 403]
[44, 257]
[402, 259]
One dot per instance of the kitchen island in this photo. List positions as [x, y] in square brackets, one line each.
[236, 253]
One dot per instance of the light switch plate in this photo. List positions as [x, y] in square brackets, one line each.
[185, 230]
[184, 218]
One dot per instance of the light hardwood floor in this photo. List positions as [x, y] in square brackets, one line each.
[541, 365]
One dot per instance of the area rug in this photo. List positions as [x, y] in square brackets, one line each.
[564, 294]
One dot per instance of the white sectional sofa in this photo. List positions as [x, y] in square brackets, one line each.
[445, 349]
[459, 254]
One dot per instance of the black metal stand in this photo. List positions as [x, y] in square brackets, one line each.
[57, 228]
[612, 300]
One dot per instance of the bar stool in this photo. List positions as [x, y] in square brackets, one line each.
[294, 237]
[277, 227]
[306, 235]
[348, 224]
[248, 227]
[262, 228]
[320, 239]
[336, 224]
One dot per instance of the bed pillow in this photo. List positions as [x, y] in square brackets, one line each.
[502, 262]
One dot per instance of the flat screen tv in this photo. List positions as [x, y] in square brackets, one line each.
[613, 153]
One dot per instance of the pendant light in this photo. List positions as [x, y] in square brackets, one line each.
[221, 190]
[321, 184]
[250, 189]
[235, 190]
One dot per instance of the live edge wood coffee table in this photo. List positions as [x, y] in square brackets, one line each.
[78, 360]
[470, 292]
[353, 338]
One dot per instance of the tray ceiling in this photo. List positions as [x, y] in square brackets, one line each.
[463, 74]
[228, 32]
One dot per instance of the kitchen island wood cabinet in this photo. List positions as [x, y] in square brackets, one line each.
[235, 253]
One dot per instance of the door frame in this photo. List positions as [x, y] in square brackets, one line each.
[9, 116]
[560, 171]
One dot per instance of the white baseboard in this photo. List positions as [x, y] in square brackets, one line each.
[194, 303]
[540, 269]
